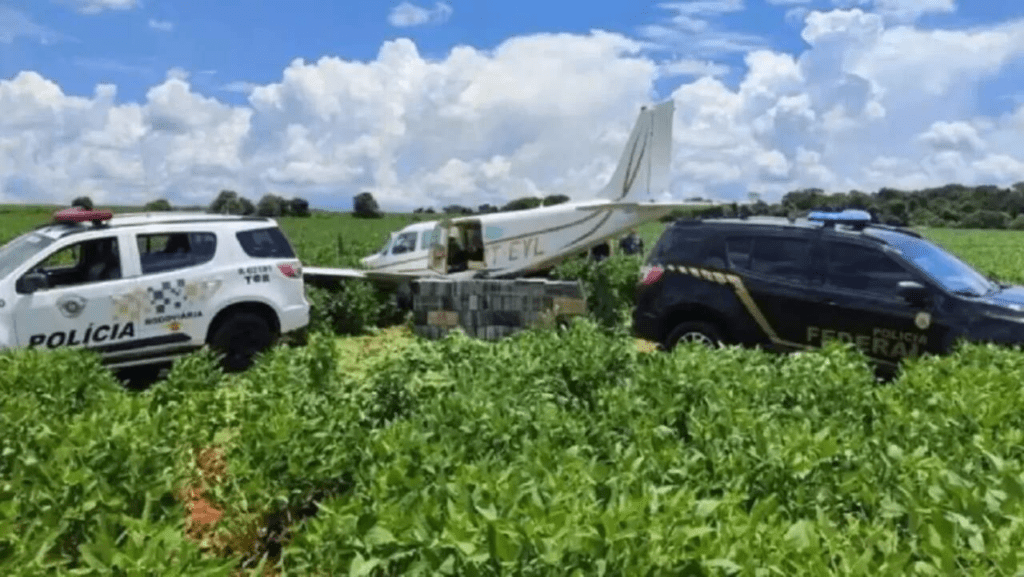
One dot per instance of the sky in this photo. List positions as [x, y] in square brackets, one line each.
[431, 103]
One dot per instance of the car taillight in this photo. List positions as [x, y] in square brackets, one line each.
[290, 270]
[650, 274]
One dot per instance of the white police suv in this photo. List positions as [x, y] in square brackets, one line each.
[144, 289]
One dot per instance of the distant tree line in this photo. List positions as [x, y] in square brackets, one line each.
[949, 206]
[365, 206]
[230, 202]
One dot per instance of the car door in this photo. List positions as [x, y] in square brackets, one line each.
[865, 307]
[176, 285]
[780, 276]
[81, 302]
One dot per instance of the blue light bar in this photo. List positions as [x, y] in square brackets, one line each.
[847, 216]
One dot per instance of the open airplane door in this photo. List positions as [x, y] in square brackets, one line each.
[438, 258]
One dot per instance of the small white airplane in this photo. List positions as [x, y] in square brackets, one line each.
[516, 243]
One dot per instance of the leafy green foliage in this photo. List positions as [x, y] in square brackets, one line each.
[609, 285]
[158, 205]
[352, 309]
[555, 451]
[88, 471]
[698, 462]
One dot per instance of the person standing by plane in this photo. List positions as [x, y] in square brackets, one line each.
[631, 243]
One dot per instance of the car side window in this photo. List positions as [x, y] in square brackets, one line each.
[780, 258]
[89, 261]
[172, 251]
[406, 242]
[679, 244]
[265, 243]
[861, 268]
[738, 250]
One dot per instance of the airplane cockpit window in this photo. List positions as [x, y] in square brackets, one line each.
[405, 242]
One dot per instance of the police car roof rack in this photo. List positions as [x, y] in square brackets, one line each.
[855, 218]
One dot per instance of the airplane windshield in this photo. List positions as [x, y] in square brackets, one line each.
[387, 244]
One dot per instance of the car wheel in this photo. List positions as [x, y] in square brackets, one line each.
[240, 338]
[693, 331]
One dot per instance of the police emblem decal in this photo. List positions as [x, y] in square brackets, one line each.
[71, 306]
[923, 320]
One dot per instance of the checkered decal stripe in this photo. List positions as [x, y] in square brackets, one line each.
[169, 297]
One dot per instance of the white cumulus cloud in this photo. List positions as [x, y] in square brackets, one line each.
[870, 103]
[408, 14]
[15, 24]
[911, 9]
[161, 25]
[691, 67]
[97, 6]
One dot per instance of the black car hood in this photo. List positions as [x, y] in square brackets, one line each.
[1010, 297]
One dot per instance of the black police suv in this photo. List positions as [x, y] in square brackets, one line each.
[788, 285]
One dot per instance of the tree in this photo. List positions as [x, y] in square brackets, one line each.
[365, 206]
[158, 205]
[225, 203]
[553, 199]
[229, 202]
[83, 202]
[246, 207]
[299, 207]
[269, 205]
[457, 209]
[986, 219]
[523, 203]
[805, 199]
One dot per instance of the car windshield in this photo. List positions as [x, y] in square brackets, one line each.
[20, 250]
[952, 273]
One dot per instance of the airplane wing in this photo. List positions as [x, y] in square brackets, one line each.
[651, 206]
[338, 273]
[320, 275]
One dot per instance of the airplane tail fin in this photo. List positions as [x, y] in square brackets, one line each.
[644, 165]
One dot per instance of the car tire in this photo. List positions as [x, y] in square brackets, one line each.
[697, 331]
[240, 338]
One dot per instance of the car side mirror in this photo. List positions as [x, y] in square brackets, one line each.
[32, 282]
[914, 292]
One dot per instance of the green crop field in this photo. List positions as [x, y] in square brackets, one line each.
[553, 452]
[339, 239]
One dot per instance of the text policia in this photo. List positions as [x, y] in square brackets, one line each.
[92, 334]
[881, 342]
